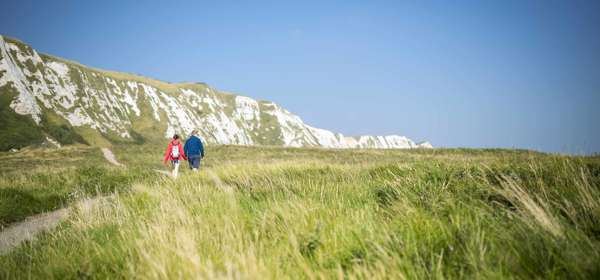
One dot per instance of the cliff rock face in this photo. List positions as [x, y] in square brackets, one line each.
[60, 97]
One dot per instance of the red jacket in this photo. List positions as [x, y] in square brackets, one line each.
[168, 155]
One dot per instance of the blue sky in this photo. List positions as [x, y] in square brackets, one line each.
[522, 74]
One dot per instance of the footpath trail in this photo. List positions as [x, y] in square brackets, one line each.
[110, 157]
[163, 172]
[218, 182]
[26, 230]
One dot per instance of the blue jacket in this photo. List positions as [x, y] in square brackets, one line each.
[193, 146]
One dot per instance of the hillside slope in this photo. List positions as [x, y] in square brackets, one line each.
[43, 96]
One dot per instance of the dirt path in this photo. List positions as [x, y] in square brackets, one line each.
[218, 182]
[26, 230]
[108, 155]
[164, 172]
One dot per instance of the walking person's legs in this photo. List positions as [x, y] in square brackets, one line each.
[191, 159]
[194, 162]
[175, 168]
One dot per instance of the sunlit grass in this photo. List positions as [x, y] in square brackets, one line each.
[311, 213]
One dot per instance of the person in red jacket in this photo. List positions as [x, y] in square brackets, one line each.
[174, 153]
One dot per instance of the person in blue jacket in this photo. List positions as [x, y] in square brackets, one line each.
[194, 150]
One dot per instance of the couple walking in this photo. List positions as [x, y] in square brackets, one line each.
[192, 151]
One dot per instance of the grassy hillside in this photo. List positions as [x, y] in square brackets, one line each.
[16, 130]
[307, 213]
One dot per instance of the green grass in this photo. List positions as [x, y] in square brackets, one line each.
[312, 213]
[17, 130]
[36, 180]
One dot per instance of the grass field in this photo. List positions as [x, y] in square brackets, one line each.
[307, 213]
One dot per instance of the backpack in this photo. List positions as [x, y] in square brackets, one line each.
[175, 151]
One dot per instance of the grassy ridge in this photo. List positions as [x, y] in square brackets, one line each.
[304, 213]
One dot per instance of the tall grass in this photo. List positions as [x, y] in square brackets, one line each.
[38, 180]
[298, 213]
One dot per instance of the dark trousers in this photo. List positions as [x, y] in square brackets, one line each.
[194, 161]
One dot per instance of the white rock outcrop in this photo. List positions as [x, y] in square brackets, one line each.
[88, 97]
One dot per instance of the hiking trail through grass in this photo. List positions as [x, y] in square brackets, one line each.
[14, 235]
[110, 157]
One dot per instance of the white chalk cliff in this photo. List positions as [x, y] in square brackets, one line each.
[114, 103]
